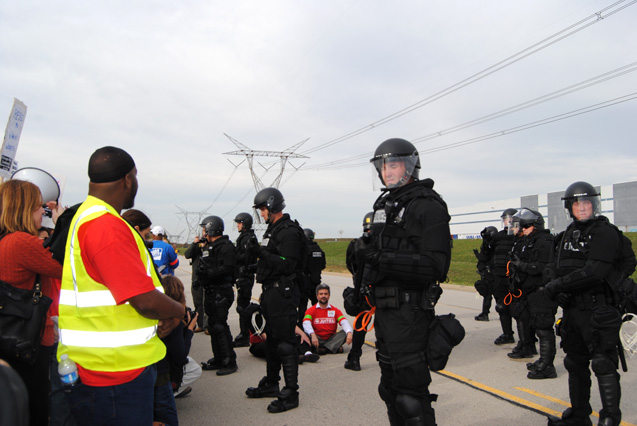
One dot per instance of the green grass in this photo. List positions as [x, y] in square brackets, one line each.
[463, 262]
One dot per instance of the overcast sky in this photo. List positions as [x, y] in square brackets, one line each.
[165, 80]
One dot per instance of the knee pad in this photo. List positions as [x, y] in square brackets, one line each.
[285, 349]
[573, 363]
[217, 329]
[408, 407]
[602, 364]
[544, 333]
[500, 308]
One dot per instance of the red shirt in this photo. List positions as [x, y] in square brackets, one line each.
[324, 321]
[111, 257]
[22, 257]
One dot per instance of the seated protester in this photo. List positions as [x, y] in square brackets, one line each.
[177, 369]
[321, 321]
[258, 338]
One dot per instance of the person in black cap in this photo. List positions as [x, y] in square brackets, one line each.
[109, 302]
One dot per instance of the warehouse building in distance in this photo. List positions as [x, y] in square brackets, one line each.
[619, 205]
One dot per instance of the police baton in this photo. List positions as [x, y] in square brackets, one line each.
[622, 357]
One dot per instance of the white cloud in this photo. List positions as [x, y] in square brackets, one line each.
[165, 80]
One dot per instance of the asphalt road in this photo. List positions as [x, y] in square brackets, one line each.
[480, 386]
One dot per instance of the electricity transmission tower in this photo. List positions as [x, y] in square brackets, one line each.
[284, 156]
[249, 154]
[192, 219]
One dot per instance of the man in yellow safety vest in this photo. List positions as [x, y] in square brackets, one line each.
[110, 302]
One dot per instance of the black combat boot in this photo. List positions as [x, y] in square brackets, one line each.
[545, 369]
[482, 317]
[288, 398]
[504, 339]
[569, 419]
[353, 363]
[610, 393]
[242, 339]
[229, 363]
[264, 389]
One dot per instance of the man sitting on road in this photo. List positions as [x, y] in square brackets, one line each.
[321, 321]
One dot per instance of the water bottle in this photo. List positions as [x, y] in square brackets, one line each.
[67, 369]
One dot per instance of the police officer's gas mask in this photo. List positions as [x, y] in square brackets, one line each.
[393, 171]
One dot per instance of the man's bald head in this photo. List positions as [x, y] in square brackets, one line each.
[109, 164]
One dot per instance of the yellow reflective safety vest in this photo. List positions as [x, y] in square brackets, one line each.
[95, 332]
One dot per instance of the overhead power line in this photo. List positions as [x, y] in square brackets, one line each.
[618, 72]
[516, 129]
[543, 44]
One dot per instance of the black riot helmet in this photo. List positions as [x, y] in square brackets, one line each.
[393, 154]
[527, 218]
[213, 226]
[309, 234]
[506, 217]
[245, 219]
[271, 199]
[488, 233]
[584, 199]
[367, 221]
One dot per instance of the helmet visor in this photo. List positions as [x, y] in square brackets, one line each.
[505, 221]
[583, 208]
[514, 227]
[393, 171]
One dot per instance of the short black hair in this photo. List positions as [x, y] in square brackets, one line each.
[323, 286]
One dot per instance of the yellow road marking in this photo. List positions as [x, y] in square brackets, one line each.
[501, 394]
[564, 403]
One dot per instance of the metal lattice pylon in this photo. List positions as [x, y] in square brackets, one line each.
[284, 156]
[193, 220]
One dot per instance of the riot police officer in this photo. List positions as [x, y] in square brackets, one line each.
[585, 256]
[216, 272]
[485, 268]
[355, 301]
[536, 313]
[245, 274]
[314, 265]
[408, 254]
[279, 267]
[516, 298]
[502, 246]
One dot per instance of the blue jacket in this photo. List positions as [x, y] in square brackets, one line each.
[164, 257]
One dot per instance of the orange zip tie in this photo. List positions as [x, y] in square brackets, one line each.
[510, 297]
[367, 317]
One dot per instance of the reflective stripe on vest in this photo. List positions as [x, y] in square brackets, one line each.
[97, 333]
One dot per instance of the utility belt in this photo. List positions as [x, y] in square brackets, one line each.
[404, 361]
[589, 300]
[217, 287]
[394, 297]
[283, 282]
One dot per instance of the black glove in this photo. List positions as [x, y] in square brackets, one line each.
[252, 247]
[553, 287]
[563, 299]
[365, 252]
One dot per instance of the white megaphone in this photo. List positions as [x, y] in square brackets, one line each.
[48, 184]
